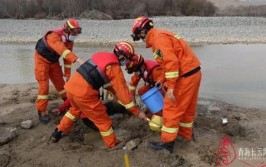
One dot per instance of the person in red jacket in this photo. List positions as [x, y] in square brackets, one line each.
[102, 70]
[121, 48]
[182, 78]
[148, 70]
[53, 45]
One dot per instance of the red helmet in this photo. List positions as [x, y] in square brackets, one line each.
[125, 49]
[72, 27]
[134, 64]
[141, 23]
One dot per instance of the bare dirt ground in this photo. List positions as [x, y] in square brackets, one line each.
[84, 146]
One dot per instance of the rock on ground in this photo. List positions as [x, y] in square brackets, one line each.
[7, 134]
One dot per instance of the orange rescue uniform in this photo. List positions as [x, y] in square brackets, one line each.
[182, 73]
[151, 75]
[48, 67]
[84, 97]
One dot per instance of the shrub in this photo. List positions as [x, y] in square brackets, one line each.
[117, 9]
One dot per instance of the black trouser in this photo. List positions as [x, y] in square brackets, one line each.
[112, 109]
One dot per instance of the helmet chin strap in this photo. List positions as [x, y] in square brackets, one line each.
[143, 37]
[135, 37]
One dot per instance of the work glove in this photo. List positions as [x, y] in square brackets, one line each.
[56, 136]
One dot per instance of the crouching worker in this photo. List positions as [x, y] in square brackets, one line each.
[148, 70]
[102, 70]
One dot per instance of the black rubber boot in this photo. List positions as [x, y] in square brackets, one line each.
[44, 118]
[159, 145]
[56, 136]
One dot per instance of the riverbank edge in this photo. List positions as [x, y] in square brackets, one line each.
[111, 43]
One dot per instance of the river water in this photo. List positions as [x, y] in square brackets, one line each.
[234, 73]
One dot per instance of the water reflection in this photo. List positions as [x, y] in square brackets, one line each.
[233, 73]
[16, 63]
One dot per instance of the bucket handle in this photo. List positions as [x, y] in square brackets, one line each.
[160, 86]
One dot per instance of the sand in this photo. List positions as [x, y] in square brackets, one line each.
[84, 146]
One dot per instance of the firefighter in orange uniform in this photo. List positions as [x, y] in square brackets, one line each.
[102, 70]
[53, 45]
[182, 80]
[148, 70]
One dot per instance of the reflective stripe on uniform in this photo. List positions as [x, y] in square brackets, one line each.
[65, 53]
[127, 106]
[132, 87]
[171, 74]
[67, 65]
[107, 133]
[70, 116]
[169, 130]
[62, 91]
[186, 125]
[177, 36]
[39, 97]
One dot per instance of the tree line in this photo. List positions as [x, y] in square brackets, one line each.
[103, 9]
[118, 9]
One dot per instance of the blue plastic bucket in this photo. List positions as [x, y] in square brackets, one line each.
[153, 99]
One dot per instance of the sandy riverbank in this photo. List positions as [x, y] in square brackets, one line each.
[83, 147]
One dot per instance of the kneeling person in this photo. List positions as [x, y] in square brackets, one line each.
[102, 70]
